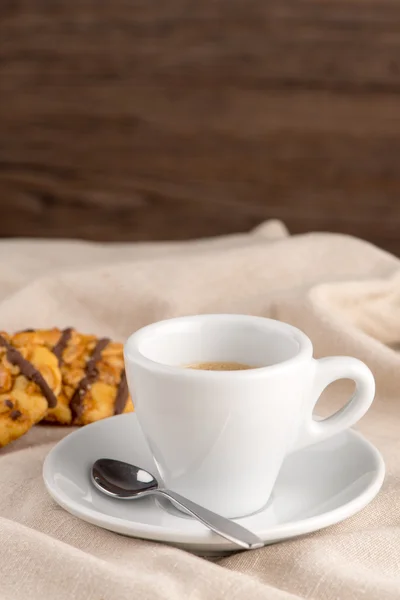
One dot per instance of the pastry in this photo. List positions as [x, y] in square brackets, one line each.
[90, 372]
[93, 378]
[25, 395]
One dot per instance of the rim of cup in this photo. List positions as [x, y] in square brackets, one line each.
[133, 353]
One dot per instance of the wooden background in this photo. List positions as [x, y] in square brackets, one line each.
[154, 119]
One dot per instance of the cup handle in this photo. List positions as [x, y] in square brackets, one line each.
[328, 370]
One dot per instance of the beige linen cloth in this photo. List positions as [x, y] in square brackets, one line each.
[343, 292]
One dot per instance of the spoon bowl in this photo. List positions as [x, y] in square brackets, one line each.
[120, 479]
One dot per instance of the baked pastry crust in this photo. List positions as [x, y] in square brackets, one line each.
[59, 376]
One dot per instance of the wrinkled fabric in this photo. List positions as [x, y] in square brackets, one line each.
[343, 292]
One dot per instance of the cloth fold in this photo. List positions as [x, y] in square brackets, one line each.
[343, 292]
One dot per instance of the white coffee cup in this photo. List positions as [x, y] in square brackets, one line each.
[220, 437]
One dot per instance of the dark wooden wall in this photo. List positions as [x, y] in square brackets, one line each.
[138, 119]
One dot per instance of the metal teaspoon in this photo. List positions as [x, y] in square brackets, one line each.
[124, 481]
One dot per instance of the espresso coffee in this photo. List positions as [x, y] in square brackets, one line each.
[219, 366]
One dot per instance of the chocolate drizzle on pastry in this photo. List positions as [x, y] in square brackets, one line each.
[122, 395]
[62, 344]
[29, 371]
[91, 374]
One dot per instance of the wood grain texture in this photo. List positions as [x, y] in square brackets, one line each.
[132, 120]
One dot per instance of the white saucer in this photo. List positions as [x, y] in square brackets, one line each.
[317, 487]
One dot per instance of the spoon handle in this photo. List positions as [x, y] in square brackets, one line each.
[224, 527]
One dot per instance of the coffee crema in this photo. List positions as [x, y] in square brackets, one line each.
[218, 366]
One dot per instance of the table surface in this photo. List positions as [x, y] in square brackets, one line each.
[154, 120]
